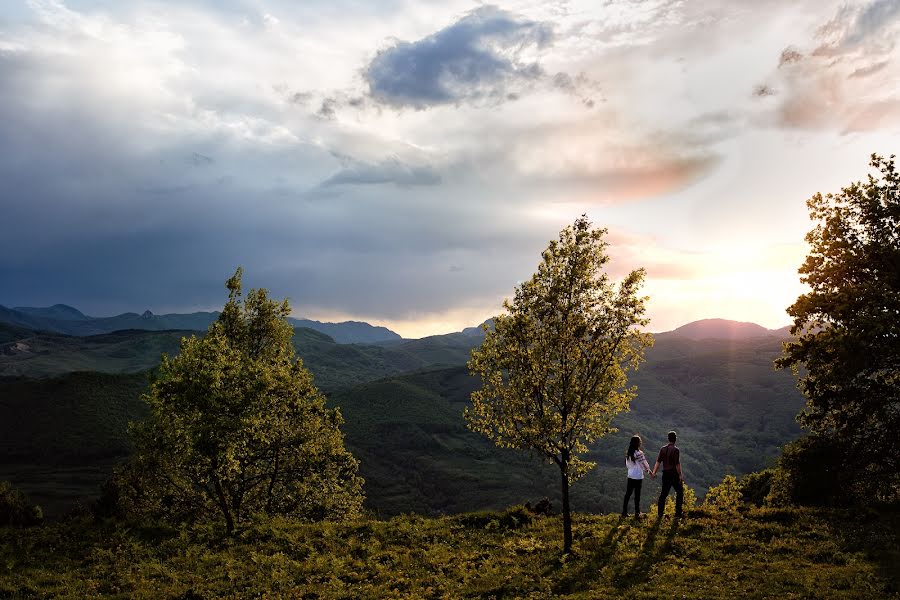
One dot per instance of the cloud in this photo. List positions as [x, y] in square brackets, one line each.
[865, 27]
[829, 86]
[869, 69]
[391, 170]
[485, 56]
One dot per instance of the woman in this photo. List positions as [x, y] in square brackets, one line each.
[637, 465]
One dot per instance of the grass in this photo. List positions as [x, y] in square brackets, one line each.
[763, 553]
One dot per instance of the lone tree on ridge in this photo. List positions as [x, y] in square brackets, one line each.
[553, 369]
[237, 428]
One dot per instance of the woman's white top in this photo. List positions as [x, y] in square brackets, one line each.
[637, 466]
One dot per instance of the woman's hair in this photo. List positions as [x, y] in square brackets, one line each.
[633, 446]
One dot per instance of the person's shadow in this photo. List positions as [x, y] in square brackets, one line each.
[593, 556]
[649, 554]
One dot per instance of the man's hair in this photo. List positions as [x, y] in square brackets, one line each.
[672, 436]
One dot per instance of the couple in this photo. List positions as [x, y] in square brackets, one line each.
[669, 458]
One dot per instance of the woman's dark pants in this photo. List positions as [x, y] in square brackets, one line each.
[634, 485]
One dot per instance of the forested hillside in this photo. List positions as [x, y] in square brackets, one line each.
[402, 406]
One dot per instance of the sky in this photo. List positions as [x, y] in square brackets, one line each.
[405, 163]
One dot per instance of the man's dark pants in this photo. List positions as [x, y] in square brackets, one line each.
[670, 479]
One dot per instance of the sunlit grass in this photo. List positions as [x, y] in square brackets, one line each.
[762, 553]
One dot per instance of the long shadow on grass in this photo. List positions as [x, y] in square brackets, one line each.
[651, 553]
[875, 533]
[594, 557]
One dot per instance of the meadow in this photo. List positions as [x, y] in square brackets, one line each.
[755, 553]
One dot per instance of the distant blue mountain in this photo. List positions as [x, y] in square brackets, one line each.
[723, 329]
[350, 332]
[61, 318]
[61, 312]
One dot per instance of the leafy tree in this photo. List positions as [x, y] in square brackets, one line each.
[847, 327]
[236, 427]
[553, 369]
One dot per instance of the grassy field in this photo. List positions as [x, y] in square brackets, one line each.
[763, 553]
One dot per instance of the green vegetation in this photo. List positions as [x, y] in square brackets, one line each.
[553, 368]
[236, 428]
[33, 354]
[759, 553]
[847, 352]
[73, 418]
[732, 410]
[16, 509]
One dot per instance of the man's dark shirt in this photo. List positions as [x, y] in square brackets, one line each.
[669, 456]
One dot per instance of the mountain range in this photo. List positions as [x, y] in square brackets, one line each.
[65, 402]
[61, 318]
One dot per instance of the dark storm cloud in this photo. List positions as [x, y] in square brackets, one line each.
[477, 58]
[104, 211]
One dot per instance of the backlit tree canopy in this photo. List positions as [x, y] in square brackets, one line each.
[847, 327]
[553, 369]
[236, 426]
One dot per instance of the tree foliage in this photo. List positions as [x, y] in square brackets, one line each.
[236, 426]
[726, 496]
[847, 327]
[553, 369]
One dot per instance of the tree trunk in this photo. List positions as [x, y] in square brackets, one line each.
[222, 502]
[272, 482]
[567, 514]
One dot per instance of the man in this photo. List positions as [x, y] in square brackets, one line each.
[672, 477]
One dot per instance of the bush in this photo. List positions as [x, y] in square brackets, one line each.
[819, 470]
[15, 508]
[726, 496]
[755, 487]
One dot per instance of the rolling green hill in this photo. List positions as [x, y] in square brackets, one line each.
[403, 416]
[28, 353]
[732, 410]
[33, 354]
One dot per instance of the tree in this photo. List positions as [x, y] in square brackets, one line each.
[553, 369]
[846, 348]
[236, 427]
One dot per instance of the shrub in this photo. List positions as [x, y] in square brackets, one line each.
[15, 508]
[755, 487]
[819, 470]
[726, 496]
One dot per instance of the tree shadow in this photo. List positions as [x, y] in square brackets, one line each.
[594, 556]
[875, 534]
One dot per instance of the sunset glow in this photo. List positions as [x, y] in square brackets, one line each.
[405, 164]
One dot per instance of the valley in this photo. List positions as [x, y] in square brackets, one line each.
[66, 401]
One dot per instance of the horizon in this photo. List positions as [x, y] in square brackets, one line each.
[404, 164]
[300, 317]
